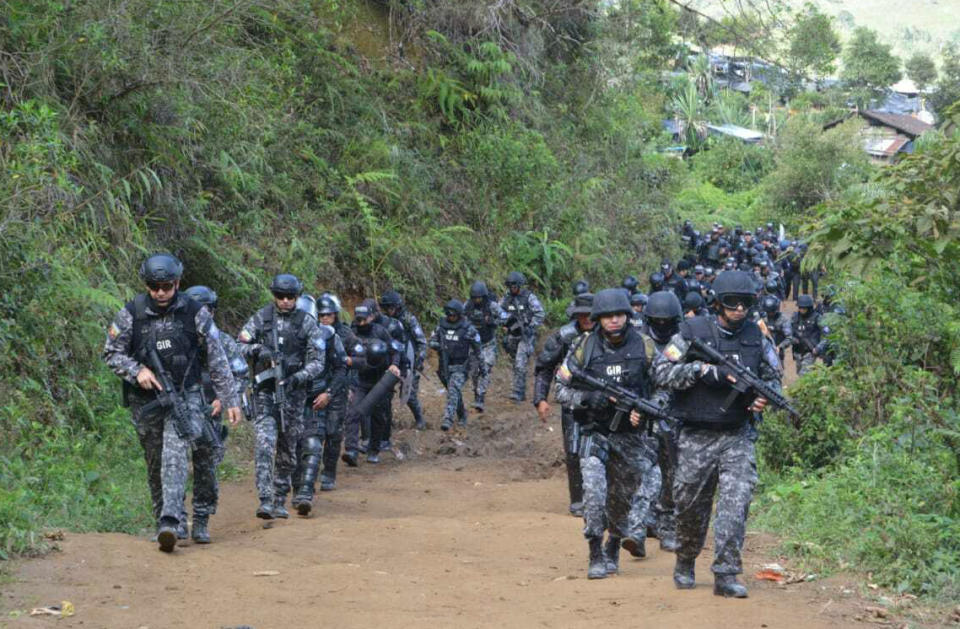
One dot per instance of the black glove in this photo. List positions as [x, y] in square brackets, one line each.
[298, 379]
[263, 354]
[597, 400]
[716, 376]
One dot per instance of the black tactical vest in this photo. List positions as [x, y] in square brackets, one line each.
[519, 306]
[626, 366]
[292, 337]
[702, 405]
[178, 345]
[482, 319]
[806, 328]
[455, 340]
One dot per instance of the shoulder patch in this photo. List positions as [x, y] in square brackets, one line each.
[672, 352]
[244, 337]
[113, 331]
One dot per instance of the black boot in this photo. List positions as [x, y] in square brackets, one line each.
[576, 509]
[182, 531]
[350, 458]
[279, 508]
[683, 576]
[303, 501]
[417, 411]
[328, 482]
[611, 551]
[636, 547]
[726, 585]
[200, 532]
[167, 535]
[478, 402]
[598, 563]
[265, 510]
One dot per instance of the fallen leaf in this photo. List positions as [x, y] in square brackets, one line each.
[67, 609]
[770, 575]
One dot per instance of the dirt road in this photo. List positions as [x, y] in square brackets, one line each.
[470, 530]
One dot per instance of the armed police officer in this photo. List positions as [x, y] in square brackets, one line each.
[715, 445]
[163, 336]
[372, 354]
[332, 408]
[321, 391]
[555, 349]
[526, 315]
[485, 314]
[454, 340]
[415, 344]
[615, 451]
[808, 334]
[286, 346]
[208, 453]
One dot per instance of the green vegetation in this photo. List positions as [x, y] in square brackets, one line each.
[449, 144]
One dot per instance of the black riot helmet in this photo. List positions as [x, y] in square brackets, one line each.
[735, 288]
[286, 284]
[582, 304]
[639, 299]
[377, 353]
[630, 283]
[161, 267]
[610, 301]
[580, 287]
[515, 278]
[390, 299]
[453, 308]
[772, 286]
[770, 306]
[692, 301]
[478, 290]
[308, 304]
[656, 282]
[202, 295]
[805, 301]
[327, 305]
[666, 267]
[663, 314]
[693, 285]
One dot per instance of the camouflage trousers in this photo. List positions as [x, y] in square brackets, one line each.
[481, 366]
[456, 378]
[658, 486]
[571, 439]
[712, 462]
[378, 420]
[611, 487]
[804, 362]
[525, 348]
[275, 452]
[413, 403]
[165, 454]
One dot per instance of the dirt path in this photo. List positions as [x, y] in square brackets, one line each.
[470, 530]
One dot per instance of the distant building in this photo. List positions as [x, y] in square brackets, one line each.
[886, 135]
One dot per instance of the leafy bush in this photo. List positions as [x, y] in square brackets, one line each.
[731, 165]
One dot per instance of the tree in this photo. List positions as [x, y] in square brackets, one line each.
[868, 65]
[948, 87]
[814, 44]
[921, 69]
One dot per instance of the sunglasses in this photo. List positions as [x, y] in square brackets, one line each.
[732, 302]
[156, 287]
[285, 296]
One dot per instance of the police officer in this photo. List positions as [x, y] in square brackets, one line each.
[207, 455]
[164, 333]
[328, 385]
[526, 315]
[715, 445]
[454, 340]
[415, 344]
[615, 452]
[331, 409]
[779, 326]
[580, 287]
[662, 321]
[485, 314]
[371, 355]
[284, 344]
[808, 334]
[555, 349]
[638, 301]
[630, 284]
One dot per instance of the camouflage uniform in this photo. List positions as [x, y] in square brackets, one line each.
[528, 311]
[418, 340]
[807, 333]
[486, 319]
[164, 450]
[276, 447]
[612, 463]
[455, 342]
[715, 445]
[555, 349]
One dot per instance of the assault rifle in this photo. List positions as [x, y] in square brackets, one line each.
[276, 372]
[625, 401]
[747, 381]
[170, 400]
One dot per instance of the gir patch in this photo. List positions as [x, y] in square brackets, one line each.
[672, 352]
